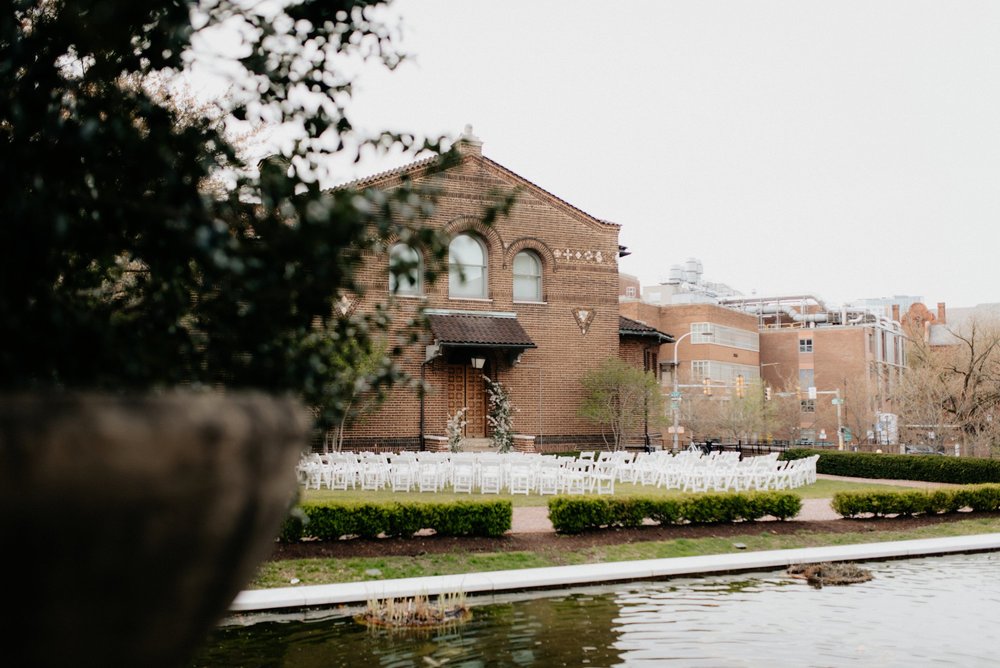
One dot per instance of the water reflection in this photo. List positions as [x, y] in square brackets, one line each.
[941, 611]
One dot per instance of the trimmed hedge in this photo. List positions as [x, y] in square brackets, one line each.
[573, 514]
[332, 520]
[928, 468]
[984, 498]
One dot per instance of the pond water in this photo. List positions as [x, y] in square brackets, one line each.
[932, 611]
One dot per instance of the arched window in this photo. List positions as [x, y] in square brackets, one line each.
[405, 270]
[466, 267]
[527, 277]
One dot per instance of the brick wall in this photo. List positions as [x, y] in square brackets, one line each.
[579, 258]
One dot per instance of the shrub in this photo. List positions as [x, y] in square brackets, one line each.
[472, 518]
[958, 470]
[332, 521]
[665, 511]
[985, 498]
[576, 514]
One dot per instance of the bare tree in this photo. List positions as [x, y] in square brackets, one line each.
[955, 389]
[621, 398]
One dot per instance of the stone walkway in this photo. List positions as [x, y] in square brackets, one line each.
[535, 519]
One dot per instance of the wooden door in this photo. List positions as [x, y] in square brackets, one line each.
[467, 389]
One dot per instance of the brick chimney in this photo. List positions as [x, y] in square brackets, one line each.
[468, 143]
[895, 312]
[940, 314]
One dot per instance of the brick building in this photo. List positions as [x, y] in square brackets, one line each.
[629, 287]
[824, 368]
[538, 309]
[851, 357]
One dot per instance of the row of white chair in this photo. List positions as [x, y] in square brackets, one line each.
[722, 471]
[520, 473]
[487, 473]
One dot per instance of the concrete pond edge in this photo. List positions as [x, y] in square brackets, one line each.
[289, 599]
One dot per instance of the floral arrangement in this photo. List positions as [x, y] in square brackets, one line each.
[454, 429]
[500, 416]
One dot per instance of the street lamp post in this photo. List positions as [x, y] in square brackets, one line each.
[676, 394]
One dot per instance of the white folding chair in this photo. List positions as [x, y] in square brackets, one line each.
[490, 477]
[549, 477]
[463, 476]
[575, 477]
[427, 476]
[519, 479]
[401, 476]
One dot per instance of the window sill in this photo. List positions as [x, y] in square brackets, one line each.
[403, 296]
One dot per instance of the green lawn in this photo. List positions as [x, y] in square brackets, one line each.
[327, 571]
[821, 489]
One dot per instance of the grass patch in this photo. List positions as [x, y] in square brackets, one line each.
[329, 571]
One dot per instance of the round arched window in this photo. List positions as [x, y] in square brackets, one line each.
[405, 270]
[527, 277]
[467, 267]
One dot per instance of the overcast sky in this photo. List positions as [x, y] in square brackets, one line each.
[842, 149]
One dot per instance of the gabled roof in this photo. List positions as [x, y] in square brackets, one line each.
[629, 327]
[488, 331]
[414, 169]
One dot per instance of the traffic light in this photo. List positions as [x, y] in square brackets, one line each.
[767, 393]
[740, 386]
[708, 387]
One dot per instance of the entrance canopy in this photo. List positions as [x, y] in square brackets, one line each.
[459, 334]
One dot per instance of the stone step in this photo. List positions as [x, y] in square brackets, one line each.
[477, 445]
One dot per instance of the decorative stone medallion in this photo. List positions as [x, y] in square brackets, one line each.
[584, 316]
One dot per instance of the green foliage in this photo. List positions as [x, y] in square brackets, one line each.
[332, 521]
[573, 514]
[455, 429]
[984, 498]
[121, 271]
[958, 470]
[621, 398]
[500, 415]
[472, 518]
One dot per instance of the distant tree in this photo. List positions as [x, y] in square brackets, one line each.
[359, 368]
[858, 414]
[621, 398]
[741, 418]
[121, 271]
[956, 386]
[727, 415]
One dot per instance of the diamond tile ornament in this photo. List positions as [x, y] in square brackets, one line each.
[345, 306]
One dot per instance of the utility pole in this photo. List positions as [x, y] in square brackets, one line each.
[675, 396]
[840, 420]
[839, 403]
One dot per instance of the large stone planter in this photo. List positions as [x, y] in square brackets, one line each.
[130, 524]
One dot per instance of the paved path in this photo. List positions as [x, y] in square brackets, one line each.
[535, 519]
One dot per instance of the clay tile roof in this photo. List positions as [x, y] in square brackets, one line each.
[479, 330]
[629, 327]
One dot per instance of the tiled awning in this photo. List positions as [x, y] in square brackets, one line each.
[629, 327]
[483, 331]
